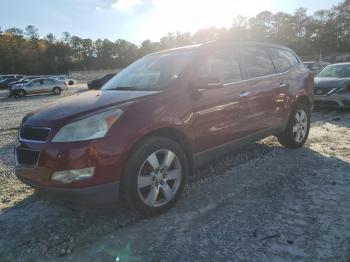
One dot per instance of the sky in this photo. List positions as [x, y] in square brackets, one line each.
[137, 20]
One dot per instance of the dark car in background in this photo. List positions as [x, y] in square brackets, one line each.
[2, 77]
[316, 66]
[332, 86]
[140, 136]
[99, 82]
[4, 83]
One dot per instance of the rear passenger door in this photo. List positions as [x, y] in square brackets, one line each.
[260, 106]
[285, 63]
[47, 86]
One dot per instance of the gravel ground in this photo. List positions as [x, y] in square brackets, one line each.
[263, 203]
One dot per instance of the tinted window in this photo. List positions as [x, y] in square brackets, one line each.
[282, 59]
[48, 81]
[256, 62]
[222, 65]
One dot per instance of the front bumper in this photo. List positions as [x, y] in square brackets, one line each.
[95, 195]
[102, 154]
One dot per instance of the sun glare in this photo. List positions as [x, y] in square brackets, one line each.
[191, 15]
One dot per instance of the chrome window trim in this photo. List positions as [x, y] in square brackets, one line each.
[256, 78]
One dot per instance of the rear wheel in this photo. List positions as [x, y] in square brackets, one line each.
[298, 127]
[56, 91]
[155, 176]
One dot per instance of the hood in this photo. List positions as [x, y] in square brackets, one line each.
[70, 108]
[324, 85]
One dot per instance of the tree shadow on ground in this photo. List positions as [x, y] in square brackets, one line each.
[339, 117]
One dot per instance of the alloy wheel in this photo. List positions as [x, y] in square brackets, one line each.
[56, 91]
[159, 178]
[300, 126]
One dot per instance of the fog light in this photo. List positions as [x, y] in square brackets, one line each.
[68, 176]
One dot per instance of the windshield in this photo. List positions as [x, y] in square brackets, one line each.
[153, 72]
[342, 71]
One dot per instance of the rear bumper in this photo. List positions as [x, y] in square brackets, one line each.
[95, 195]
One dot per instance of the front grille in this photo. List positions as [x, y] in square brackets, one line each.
[27, 157]
[34, 133]
[325, 103]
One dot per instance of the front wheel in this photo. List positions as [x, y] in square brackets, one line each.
[155, 176]
[56, 91]
[298, 127]
[20, 93]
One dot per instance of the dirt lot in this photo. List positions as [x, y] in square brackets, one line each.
[263, 203]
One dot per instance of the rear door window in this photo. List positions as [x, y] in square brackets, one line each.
[255, 61]
[221, 64]
[283, 60]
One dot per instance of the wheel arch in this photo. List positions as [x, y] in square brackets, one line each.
[303, 100]
[173, 134]
[19, 90]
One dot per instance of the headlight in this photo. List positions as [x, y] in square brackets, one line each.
[88, 128]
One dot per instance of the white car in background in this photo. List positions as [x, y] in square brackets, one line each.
[39, 86]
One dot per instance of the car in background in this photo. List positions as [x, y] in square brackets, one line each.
[332, 86]
[11, 78]
[316, 66]
[140, 136]
[23, 80]
[39, 86]
[2, 77]
[99, 82]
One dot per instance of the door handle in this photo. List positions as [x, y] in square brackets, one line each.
[244, 94]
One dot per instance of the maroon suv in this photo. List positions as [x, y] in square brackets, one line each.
[139, 138]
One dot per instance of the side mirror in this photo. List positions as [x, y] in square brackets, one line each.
[207, 83]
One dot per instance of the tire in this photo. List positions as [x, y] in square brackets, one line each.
[297, 131]
[56, 91]
[20, 93]
[149, 185]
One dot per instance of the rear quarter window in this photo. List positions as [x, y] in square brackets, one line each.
[283, 60]
[255, 61]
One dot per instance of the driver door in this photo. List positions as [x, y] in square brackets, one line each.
[34, 86]
[216, 110]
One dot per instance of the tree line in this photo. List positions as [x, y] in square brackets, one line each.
[25, 52]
